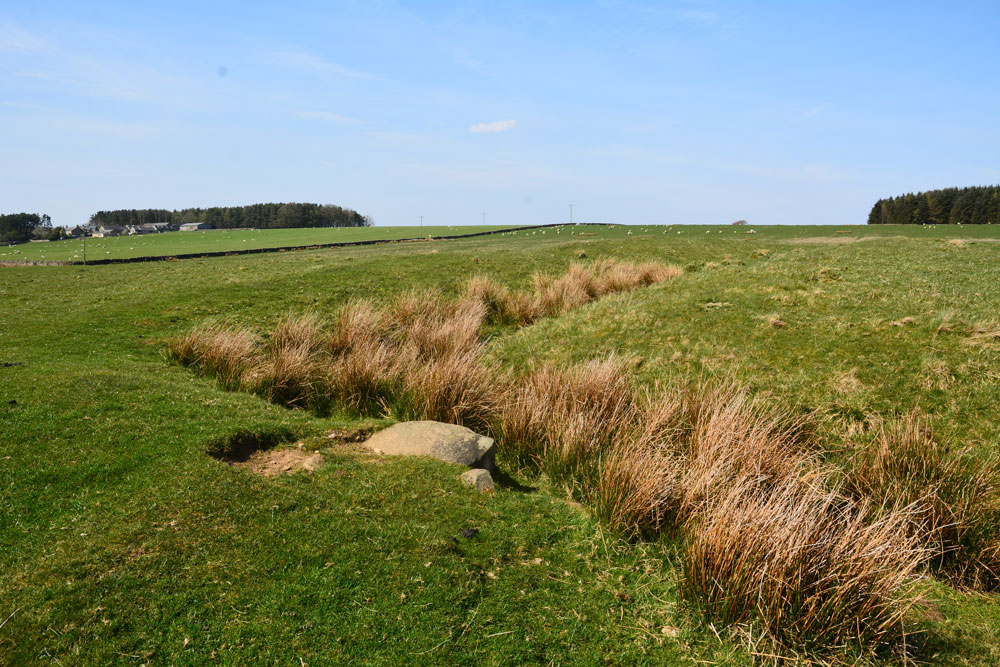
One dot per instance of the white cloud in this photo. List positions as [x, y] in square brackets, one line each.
[495, 126]
[329, 117]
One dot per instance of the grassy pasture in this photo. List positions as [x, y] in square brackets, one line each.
[124, 543]
[216, 240]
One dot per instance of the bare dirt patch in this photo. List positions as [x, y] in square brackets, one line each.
[839, 240]
[240, 446]
[282, 461]
[261, 452]
[347, 435]
[348, 440]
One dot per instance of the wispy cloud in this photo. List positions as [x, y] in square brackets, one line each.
[791, 172]
[303, 60]
[131, 130]
[698, 15]
[329, 117]
[97, 81]
[13, 38]
[495, 126]
[695, 14]
[501, 176]
[815, 111]
[401, 139]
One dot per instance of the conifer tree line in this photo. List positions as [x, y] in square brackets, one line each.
[978, 205]
[22, 227]
[260, 216]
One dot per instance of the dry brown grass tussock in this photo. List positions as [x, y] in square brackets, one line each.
[458, 387]
[804, 567]
[422, 350]
[224, 351]
[557, 419]
[358, 323]
[956, 493]
[770, 540]
[364, 378]
[446, 329]
[293, 372]
[552, 295]
[735, 437]
[302, 332]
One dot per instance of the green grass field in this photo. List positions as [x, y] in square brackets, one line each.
[216, 240]
[122, 542]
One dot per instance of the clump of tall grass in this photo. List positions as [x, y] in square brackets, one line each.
[498, 300]
[443, 329]
[769, 540]
[733, 436]
[226, 352]
[359, 323]
[803, 567]
[364, 379]
[555, 295]
[293, 373]
[552, 295]
[458, 387]
[957, 492]
[562, 420]
[637, 488]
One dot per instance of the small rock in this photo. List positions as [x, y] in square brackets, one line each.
[479, 479]
[469, 533]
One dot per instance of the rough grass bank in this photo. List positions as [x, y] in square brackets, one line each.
[680, 414]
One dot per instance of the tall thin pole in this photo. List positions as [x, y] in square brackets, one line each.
[571, 214]
[85, 249]
[421, 222]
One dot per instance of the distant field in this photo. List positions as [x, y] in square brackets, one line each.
[221, 240]
[217, 240]
[123, 542]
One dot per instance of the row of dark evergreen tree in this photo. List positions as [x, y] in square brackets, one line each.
[260, 216]
[952, 206]
[22, 227]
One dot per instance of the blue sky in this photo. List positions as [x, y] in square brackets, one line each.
[693, 111]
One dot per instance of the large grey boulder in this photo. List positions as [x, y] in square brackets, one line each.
[448, 442]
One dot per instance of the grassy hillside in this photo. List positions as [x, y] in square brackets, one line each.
[124, 543]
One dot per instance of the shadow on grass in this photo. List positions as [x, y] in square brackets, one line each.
[505, 481]
[241, 445]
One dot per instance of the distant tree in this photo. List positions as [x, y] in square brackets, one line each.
[19, 227]
[261, 216]
[966, 206]
[289, 215]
